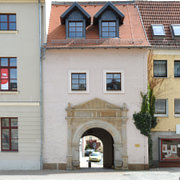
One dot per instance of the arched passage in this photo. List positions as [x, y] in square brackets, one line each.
[97, 114]
[108, 145]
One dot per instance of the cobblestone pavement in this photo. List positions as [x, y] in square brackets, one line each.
[93, 174]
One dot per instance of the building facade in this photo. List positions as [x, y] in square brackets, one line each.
[94, 70]
[161, 21]
[20, 146]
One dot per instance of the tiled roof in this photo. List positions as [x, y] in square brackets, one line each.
[158, 12]
[131, 33]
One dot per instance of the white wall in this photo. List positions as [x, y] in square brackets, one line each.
[56, 97]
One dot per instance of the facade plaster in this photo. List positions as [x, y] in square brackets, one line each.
[57, 64]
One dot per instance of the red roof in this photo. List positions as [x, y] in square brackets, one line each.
[131, 32]
[158, 12]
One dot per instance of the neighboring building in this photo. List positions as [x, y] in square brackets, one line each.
[162, 24]
[20, 136]
[93, 73]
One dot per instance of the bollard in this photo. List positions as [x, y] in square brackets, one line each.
[89, 164]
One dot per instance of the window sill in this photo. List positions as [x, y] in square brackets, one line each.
[78, 92]
[114, 92]
[9, 32]
[160, 115]
[9, 92]
[177, 115]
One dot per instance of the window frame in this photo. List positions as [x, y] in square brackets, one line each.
[75, 21]
[176, 115]
[70, 82]
[166, 69]
[172, 30]
[10, 129]
[161, 35]
[8, 67]
[108, 21]
[8, 22]
[166, 109]
[122, 82]
[174, 68]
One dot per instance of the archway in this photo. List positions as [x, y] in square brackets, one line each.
[108, 145]
[97, 115]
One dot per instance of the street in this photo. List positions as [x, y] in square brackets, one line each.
[93, 174]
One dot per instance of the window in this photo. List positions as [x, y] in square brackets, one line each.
[161, 107]
[176, 68]
[160, 68]
[8, 71]
[158, 30]
[9, 134]
[108, 29]
[78, 81]
[177, 106]
[76, 29]
[175, 29]
[8, 22]
[113, 81]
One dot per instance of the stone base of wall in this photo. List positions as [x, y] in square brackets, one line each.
[138, 166]
[54, 166]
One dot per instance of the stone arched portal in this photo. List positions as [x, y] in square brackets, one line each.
[97, 114]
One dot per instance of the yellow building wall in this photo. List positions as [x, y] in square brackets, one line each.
[168, 89]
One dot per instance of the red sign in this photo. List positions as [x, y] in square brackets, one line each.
[4, 78]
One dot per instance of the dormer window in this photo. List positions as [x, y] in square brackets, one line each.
[108, 18]
[158, 30]
[108, 29]
[76, 19]
[175, 30]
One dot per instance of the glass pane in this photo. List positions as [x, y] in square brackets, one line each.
[160, 68]
[82, 81]
[116, 75]
[112, 23]
[74, 75]
[14, 133]
[176, 30]
[112, 28]
[5, 122]
[13, 73]
[79, 23]
[13, 62]
[71, 23]
[112, 34]
[12, 26]
[14, 144]
[158, 30]
[5, 139]
[79, 34]
[72, 28]
[4, 26]
[75, 81]
[177, 106]
[75, 87]
[104, 23]
[13, 84]
[113, 85]
[82, 75]
[82, 87]
[79, 29]
[14, 122]
[177, 68]
[12, 18]
[71, 34]
[4, 61]
[3, 18]
[4, 79]
[104, 34]
[104, 28]
[160, 106]
[109, 75]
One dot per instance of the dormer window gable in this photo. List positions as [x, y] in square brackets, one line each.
[108, 18]
[76, 19]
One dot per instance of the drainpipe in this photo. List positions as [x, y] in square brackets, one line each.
[41, 108]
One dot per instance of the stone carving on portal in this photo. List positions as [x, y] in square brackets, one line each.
[97, 113]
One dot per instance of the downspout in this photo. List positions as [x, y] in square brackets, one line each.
[41, 108]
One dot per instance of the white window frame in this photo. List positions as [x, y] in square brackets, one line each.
[163, 115]
[122, 81]
[156, 35]
[69, 81]
[176, 115]
[172, 29]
